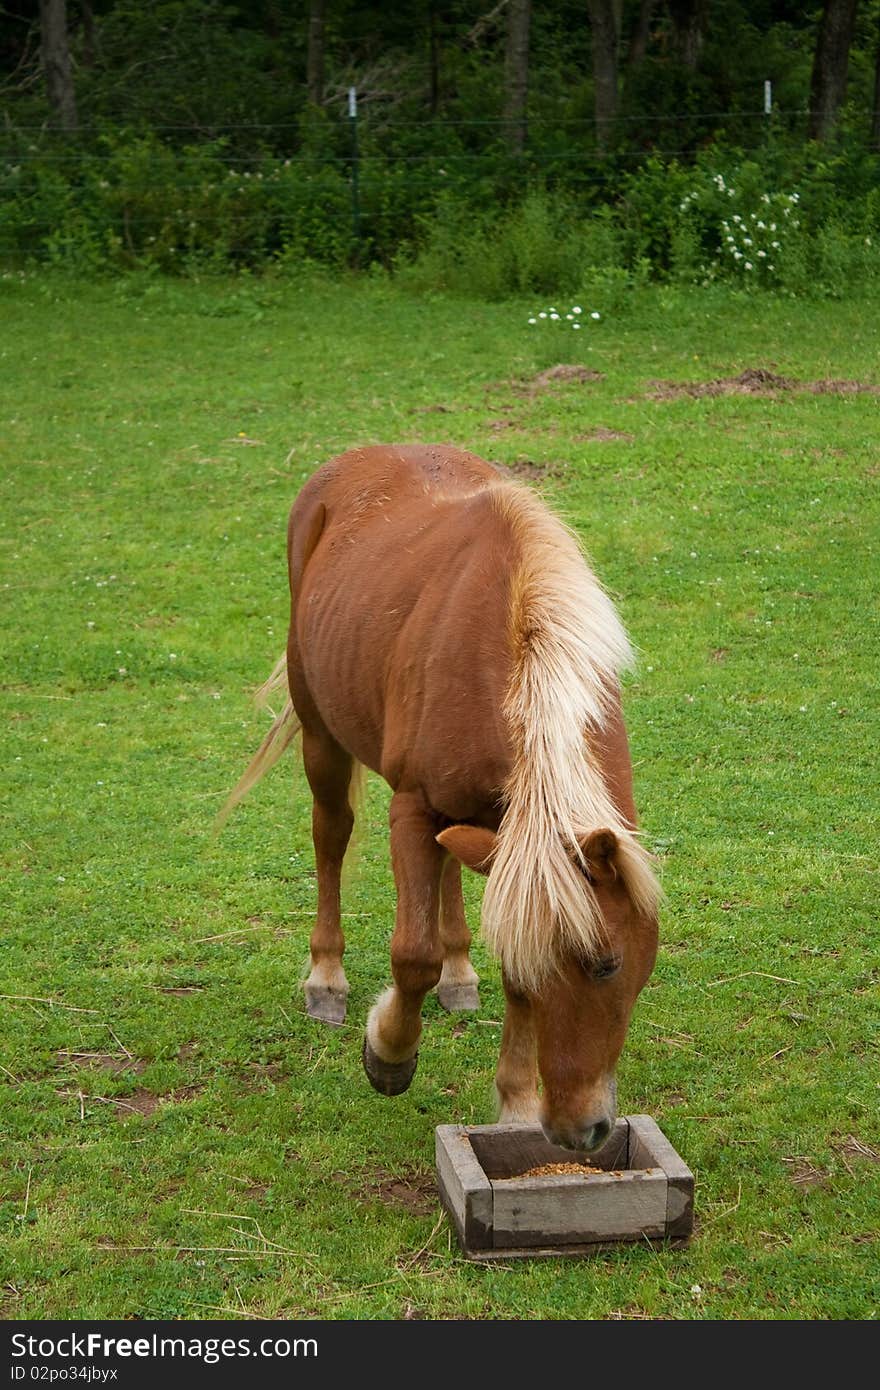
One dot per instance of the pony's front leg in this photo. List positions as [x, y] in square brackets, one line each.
[395, 1022]
[516, 1079]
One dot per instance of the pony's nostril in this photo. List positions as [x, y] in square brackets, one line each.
[601, 1132]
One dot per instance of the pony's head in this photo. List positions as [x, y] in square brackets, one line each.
[580, 954]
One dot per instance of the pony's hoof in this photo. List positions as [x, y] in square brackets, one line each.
[459, 998]
[388, 1078]
[325, 1004]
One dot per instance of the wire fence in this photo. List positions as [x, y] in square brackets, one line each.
[114, 183]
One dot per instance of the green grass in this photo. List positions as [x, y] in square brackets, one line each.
[145, 595]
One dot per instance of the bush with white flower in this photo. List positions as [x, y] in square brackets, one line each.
[752, 242]
[567, 318]
[743, 232]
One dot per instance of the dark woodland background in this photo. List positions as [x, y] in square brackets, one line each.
[196, 133]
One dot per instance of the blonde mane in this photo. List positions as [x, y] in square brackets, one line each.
[568, 648]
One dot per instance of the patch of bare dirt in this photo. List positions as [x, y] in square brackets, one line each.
[853, 1148]
[843, 388]
[553, 377]
[432, 410]
[756, 381]
[530, 470]
[561, 375]
[804, 1172]
[603, 436]
[414, 1192]
[140, 1102]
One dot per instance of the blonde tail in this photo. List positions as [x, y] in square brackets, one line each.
[279, 738]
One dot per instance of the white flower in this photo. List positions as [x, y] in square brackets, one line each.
[533, 320]
[542, 315]
[775, 245]
[761, 225]
[554, 316]
[762, 255]
[576, 309]
[575, 325]
[737, 255]
[748, 265]
[747, 241]
[595, 315]
[570, 316]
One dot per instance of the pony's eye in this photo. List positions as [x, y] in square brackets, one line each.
[605, 968]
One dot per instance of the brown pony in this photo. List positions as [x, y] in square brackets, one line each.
[446, 632]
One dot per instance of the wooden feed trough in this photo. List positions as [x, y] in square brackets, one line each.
[644, 1190]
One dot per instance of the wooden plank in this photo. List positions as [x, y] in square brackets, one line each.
[586, 1250]
[571, 1210]
[464, 1188]
[649, 1143]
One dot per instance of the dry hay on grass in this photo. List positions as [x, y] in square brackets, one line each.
[756, 381]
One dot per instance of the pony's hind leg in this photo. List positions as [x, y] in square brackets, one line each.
[516, 1079]
[457, 987]
[329, 770]
[395, 1022]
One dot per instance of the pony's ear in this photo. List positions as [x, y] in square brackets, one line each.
[600, 849]
[473, 845]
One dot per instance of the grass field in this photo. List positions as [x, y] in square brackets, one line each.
[178, 1139]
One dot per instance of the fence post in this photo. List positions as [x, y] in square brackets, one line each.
[355, 193]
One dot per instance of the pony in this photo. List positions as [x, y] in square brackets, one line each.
[447, 632]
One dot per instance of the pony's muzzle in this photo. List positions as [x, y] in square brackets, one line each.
[587, 1131]
[582, 1138]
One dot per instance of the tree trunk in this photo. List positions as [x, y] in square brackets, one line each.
[516, 73]
[605, 24]
[434, 59]
[315, 61]
[88, 44]
[55, 53]
[828, 82]
[639, 43]
[875, 120]
[690, 19]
